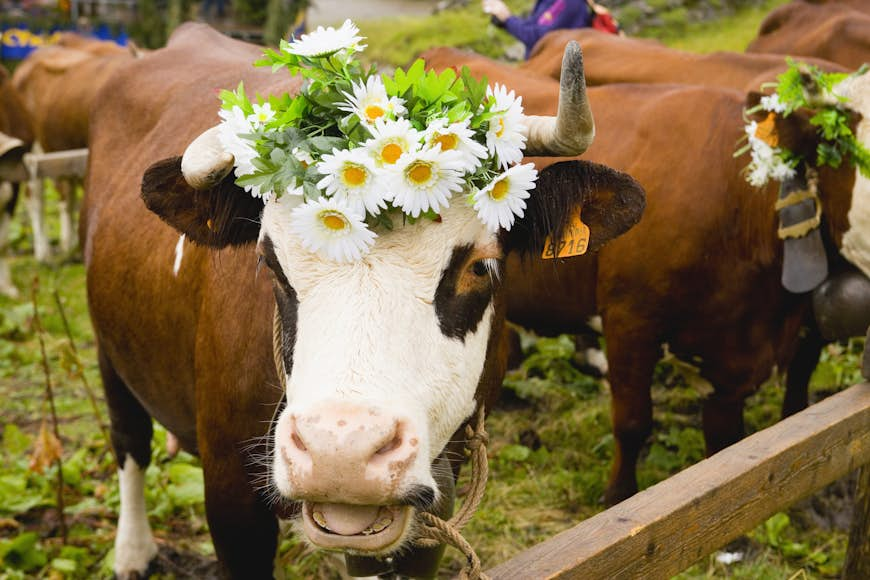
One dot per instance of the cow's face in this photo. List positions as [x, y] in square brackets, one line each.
[383, 358]
[856, 241]
[383, 368]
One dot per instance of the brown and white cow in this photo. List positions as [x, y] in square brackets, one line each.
[16, 138]
[58, 84]
[381, 362]
[702, 270]
[833, 31]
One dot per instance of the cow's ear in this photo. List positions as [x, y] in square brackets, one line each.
[610, 202]
[224, 215]
[794, 132]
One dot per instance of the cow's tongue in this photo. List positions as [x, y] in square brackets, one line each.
[344, 519]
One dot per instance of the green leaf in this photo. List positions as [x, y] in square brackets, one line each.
[15, 441]
[516, 453]
[186, 485]
[64, 565]
[23, 553]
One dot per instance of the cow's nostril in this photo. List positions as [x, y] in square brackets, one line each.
[392, 444]
[297, 441]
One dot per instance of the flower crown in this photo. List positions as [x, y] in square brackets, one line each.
[354, 148]
[802, 86]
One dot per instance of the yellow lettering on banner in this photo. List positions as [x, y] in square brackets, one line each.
[575, 240]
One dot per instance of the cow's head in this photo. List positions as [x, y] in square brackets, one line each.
[386, 358]
[839, 197]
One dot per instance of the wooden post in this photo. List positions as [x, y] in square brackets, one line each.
[857, 565]
[665, 529]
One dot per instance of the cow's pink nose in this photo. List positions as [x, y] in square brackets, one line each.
[348, 454]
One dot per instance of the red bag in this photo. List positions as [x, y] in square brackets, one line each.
[602, 19]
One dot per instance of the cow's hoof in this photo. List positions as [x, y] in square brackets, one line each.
[136, 562]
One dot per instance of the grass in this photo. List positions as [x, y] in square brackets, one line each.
[551, 441]
[732, 32]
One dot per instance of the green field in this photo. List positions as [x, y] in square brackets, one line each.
[551, 441]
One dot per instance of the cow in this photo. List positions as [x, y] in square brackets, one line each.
[362, 372]
[702, 270]
[57, 85]
[832, 31]
[16, 137]
[619, 59]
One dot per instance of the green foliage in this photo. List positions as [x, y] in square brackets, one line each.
[550, 362]
[23, 553]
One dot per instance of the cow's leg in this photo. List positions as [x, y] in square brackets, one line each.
[66, 188]
[35, 203]
[632, 360]
[131, 440]
[797, 380]
[723, 418]
[8, 197]
[243, 528]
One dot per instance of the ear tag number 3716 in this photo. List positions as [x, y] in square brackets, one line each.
[575, 240]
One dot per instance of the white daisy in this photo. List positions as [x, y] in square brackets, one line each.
[456, 137]
[767, 162]
[303, 156]
[332, 229]
[327, 41]
[503, 199]
[772, 103]
[350, 175]
[426, 180]
[390, 140]
[504, 136]
[234, 124]
[370, 101]
[262, 115]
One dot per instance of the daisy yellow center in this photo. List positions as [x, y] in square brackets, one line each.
[500, 131]
[353, 175]
[333, 221]
[373, 112]
[499, 190]
[419, 172]
[447, 142]
[391, 153]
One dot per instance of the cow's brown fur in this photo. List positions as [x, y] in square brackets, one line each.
[617, 59]
[179, 343]
[832, 31]
[58, 84]
[701, 272]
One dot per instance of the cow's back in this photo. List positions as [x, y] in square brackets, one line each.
[832, 31]
[150, 323]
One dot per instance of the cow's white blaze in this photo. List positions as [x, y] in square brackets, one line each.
[368, 333]
[856, 241]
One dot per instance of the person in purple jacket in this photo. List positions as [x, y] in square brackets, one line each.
[547, 15]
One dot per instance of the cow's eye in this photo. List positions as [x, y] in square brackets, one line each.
[479, 268]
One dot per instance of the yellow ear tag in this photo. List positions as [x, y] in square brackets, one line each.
[575, 240]
[766, 130]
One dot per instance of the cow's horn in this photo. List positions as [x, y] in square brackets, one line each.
[570, 132]
[205, 163]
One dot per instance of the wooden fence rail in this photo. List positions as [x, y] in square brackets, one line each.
[668, 527]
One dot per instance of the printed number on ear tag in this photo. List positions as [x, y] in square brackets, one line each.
[575, 240]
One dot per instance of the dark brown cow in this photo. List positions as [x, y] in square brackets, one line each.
[195, 350]
[617, 59]
[58, 84]
[15, 138]
[832, 31]
[700, 273]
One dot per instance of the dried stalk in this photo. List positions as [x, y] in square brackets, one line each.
[49, 392]
[91, 397]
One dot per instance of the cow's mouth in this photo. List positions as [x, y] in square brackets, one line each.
[362, 529]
